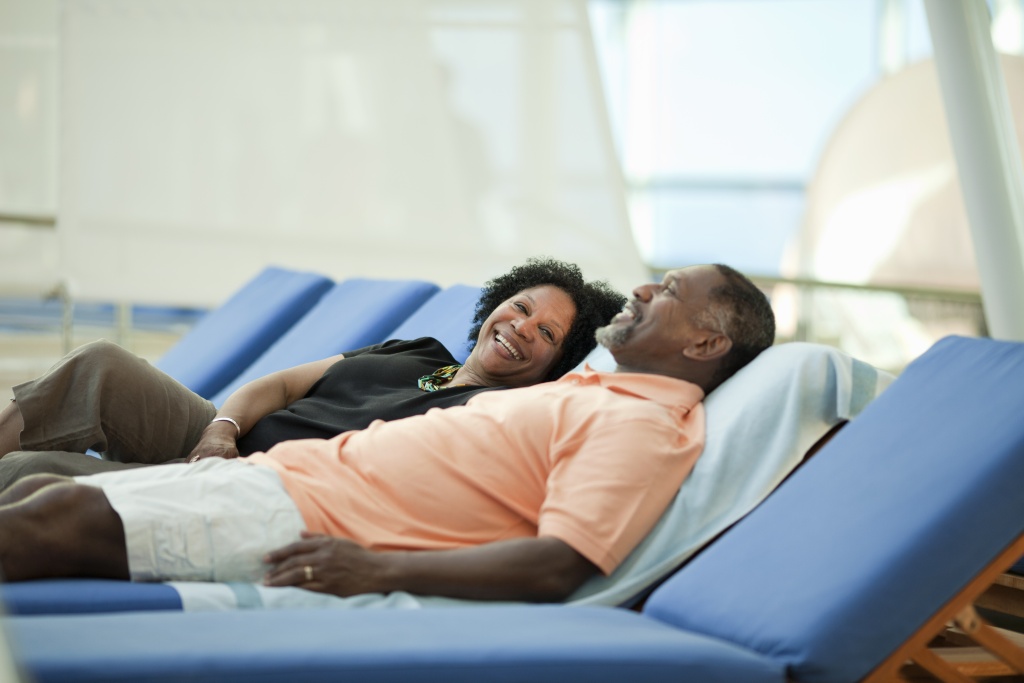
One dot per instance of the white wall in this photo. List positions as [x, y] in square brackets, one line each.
[29, 60]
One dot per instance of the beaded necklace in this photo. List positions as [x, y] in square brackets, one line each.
[432, 382]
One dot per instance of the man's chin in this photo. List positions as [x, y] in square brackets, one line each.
[612, 336]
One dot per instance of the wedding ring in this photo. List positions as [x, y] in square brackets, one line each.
[309, 572]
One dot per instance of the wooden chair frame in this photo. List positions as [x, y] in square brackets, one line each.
[999, 656]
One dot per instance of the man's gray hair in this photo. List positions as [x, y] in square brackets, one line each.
[741, 311]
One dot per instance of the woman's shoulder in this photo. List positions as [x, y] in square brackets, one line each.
[423, 347]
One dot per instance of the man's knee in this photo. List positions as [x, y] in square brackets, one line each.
[25, 487]
[62, 529]
[44, 479]
[60, 498]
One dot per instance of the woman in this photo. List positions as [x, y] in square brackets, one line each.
[532, 324]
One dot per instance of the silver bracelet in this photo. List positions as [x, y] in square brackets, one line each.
[238, 430]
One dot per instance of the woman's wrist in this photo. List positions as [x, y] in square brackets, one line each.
[226, 424]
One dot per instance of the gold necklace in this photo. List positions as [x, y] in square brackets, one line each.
[434, 381]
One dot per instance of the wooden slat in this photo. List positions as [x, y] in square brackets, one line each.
[939, 668]
[1011, 581]
[912, 648]
[1002, 598]
[986, 636]
[974, 661]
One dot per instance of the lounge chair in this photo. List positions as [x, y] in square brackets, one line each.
[352, 314]
[447, 317]
[890, 532]
[229, 338]
[847, 571]
[760, 424]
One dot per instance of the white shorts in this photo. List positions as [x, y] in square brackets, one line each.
[209, 521]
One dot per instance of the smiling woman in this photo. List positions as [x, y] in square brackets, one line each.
[532, 324]
[521, 340]
[595, 304]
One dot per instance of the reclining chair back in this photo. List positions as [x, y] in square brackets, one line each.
[447, 317]
[353, 314]
[854, 554]
[229, 338]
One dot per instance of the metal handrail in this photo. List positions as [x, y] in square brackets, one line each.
[946, 294]
[32, 220]
[663, 182]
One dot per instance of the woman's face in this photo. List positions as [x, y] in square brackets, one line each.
[521, 340]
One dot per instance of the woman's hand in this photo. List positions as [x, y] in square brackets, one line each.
[252, 402]
[327, 565]
[218, 441]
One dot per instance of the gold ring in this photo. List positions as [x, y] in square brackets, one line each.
[309, 572]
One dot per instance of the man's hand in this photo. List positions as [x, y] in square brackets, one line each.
[533, 569]
[326, 565]
[218, 441]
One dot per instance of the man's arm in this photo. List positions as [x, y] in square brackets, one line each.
[256, 400]
[529, 569]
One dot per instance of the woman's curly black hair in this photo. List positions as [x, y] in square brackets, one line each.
[596, 304]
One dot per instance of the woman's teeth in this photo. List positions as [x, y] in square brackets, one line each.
[511, 350]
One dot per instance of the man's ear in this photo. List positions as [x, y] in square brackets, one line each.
[708, 346]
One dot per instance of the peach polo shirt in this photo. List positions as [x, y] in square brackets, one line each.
[592, 459]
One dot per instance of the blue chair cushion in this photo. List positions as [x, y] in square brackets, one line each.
[539, 644]
[229, 338]
[866, 541]
[447, 317]
[79, 596]
[353, 314]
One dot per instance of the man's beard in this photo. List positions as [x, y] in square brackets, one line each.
[611, 336]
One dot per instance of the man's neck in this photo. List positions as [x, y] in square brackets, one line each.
[681, 375]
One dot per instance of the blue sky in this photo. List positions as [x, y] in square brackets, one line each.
[722, 108]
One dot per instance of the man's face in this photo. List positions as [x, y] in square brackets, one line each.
[659, 321]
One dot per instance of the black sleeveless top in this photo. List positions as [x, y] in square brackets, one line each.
[373, 383]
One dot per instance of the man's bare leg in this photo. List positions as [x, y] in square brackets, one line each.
[11, 424]
[62, 529]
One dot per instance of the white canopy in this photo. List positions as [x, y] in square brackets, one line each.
[439, 139]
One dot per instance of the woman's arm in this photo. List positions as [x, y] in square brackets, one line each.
[256, 400]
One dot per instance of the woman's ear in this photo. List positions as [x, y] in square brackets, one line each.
[709, 345]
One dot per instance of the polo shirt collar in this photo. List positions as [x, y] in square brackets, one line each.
[659, 388]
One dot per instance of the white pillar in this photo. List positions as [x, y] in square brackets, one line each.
[892, 35]
[987, 155]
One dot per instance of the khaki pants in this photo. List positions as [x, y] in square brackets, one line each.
[103, 398]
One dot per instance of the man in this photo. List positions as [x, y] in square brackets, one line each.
[519, 495]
